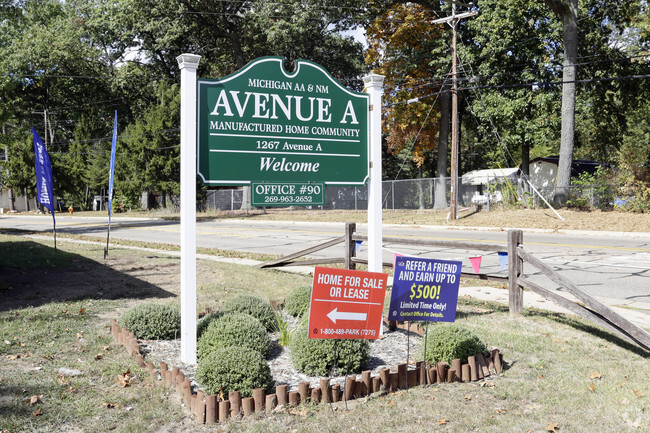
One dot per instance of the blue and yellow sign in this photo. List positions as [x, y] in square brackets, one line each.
[425, 289]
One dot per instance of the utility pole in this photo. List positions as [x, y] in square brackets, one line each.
[453, 22]
[453, 201]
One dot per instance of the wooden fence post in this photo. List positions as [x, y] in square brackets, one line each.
[515, 270]
[350, 245]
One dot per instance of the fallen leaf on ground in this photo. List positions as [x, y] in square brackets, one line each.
[468, 397]
[80, 335]
[638, 393]
[83, 310]
[443, 421]
[552, 427]
[99, 356]
[501, 411]
[302, 412]
[592, 388]
[12, 357]
[125, 379]
[33, 399]
[38, 412]
[113, 405]
[594, 375]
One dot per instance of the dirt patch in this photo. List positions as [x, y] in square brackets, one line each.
[499, 218]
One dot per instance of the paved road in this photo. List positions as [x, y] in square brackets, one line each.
[612, 267]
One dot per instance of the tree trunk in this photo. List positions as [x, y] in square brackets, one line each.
[568, 12]
[12, 196]
[246, 198]
[525, 163]
[440, 200]
[420, 189]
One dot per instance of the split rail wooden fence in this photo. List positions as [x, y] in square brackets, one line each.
[211, 408]
[587, 307]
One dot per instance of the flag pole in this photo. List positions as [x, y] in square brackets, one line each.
[108, 235]
[110, 183]
[44, 181]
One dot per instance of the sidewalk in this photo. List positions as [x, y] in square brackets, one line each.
[634, 311]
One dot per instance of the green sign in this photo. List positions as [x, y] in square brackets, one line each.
[264, 124]
[287, 194]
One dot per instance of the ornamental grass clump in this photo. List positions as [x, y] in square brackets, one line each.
[234, 369]
[447, 342]
[253, 305]
[297, 303]
[152, 321]
[317, 357]
[234, 329]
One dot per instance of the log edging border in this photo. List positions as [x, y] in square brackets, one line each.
[207, 409]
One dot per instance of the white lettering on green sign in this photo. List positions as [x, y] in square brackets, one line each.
[263, 124]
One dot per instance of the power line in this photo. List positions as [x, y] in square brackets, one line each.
[557, 83]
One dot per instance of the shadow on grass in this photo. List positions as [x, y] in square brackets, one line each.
[582, 325]
[34, 274]
[480, 308]
[15, 407]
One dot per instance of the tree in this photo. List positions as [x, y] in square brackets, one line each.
[403, 47]
[148, 150]
[567, 10]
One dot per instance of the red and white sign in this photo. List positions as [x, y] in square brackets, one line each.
[346, 304]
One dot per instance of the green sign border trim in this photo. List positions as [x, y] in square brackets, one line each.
[299, 63]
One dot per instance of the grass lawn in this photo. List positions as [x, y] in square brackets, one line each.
[562, 373]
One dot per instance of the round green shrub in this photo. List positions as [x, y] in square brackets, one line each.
[448, 342]
[253, 305]
[152, 321]
[204, 321]
[316, 357]
[234, 329]
[297, 303]
[234, 368]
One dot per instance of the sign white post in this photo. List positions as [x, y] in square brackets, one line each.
[188, 64]
[375, 88]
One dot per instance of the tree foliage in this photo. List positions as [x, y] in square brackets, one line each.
[406, 50]
[68, 65]
[79, 61]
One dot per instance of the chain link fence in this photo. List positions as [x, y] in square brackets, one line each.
[434, 193]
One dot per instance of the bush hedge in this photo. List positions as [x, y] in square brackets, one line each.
[203, 323]
[297, 303]
[446, 342]
[234, 368]
[152, 321]
[234, 329]
[316, 357]
[253, 305]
